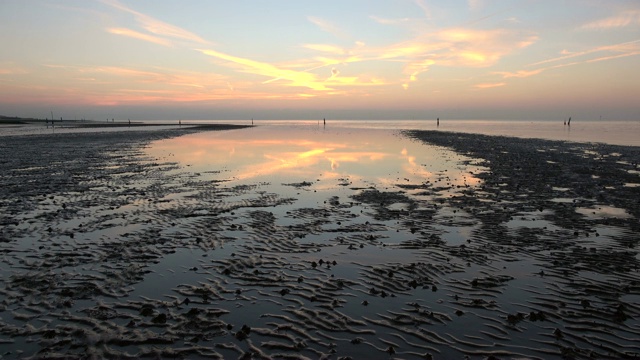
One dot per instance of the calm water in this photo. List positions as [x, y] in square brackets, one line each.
[610, 132]
[283, 154]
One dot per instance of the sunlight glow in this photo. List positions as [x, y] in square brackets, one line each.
[404, 59]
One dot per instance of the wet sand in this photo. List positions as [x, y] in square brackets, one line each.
[109, 253]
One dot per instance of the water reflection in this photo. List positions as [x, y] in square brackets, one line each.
[287, 154]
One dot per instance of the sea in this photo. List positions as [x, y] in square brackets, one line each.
[625, 132]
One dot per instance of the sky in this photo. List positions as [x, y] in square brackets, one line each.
[299, 59]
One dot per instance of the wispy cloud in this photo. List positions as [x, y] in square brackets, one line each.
[425, 8]
[296, 78]
[156, 26]
[612, 57]
[481, 48]
[119, 85]
[326, 48]
[292, 77]
[605, 53]
[452, 47]
[489, 85]
[327, 26]
[623, 19]
[625, 47]
[140, 36]
[386, 21]
[519, 74]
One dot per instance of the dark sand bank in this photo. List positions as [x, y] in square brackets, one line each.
[543, 171]
[108, 253]
[92, 124]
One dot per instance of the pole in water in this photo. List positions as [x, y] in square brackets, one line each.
[324, 121]
[569, 122]
[438, 122]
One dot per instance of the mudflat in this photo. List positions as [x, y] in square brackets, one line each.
[108, 252]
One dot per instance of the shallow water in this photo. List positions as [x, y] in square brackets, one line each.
[324, 159]
[605, 131]
[608, 132]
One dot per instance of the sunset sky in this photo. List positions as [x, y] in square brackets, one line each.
[348, 59]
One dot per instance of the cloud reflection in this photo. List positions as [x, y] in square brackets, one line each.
[279, 154]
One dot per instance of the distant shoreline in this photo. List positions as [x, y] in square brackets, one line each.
[93, 124]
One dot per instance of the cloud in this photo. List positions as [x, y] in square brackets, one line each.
[611, 57]
[157, 27]
[140, 36]
[292, 77]
[299, 78]
[385, 21]
[489, 85]
[126, 84]
[459, 47]
[616, 51]
[451, 47]
[326, 48]
[625, 47]
[623, 19]
[519, 74]
[327, 26]
[425, 8]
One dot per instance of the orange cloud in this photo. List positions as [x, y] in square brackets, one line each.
[519, 74]
[293, 77]
[453, 47]
[129, 85]
[298, 78]
[489, 85]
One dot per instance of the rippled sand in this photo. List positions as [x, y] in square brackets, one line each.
[109, 253]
